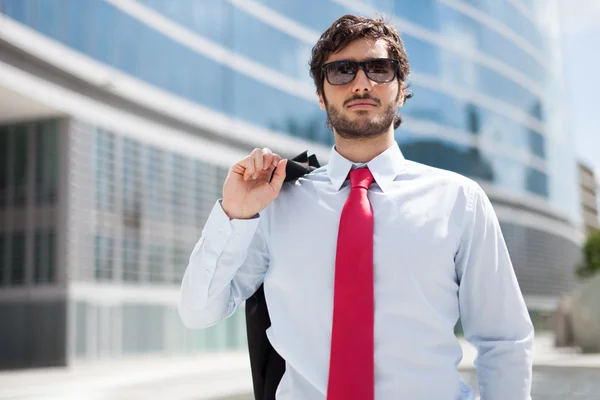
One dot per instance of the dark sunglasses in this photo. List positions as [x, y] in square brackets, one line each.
[380, 70]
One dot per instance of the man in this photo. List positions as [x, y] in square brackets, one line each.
[368, 262]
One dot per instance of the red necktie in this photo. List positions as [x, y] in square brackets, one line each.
[351, 368]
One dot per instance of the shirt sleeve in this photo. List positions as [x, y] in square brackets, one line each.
[226, 267]
[493, 313]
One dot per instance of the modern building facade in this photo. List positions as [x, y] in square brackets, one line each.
[589, 198]
[120, 118]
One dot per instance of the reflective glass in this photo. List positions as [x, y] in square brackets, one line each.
[16, 9]
[105, 170]
[304, 12]
[235, 29]
[47, 19]
[4, 241]
[509, 15]
[17, 264]
[131, 182]
[20, 165]
[471, 32]
[430, 105]
[180, 184]
[502, 171]
[155, 183]
[4, 167]
[104, 257]
[131, 257]
[156, 261]
[425, 57]
[46, 164]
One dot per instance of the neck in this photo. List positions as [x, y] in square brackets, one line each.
[364, 150]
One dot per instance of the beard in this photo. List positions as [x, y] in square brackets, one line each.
[360, 128]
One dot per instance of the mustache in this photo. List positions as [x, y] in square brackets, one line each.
[365, 97]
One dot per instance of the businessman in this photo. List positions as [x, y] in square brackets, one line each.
[368, 262]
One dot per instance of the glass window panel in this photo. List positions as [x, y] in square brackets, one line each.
[16, 9]
[5, 151]
[179, 190]
[3, 254]
[40, 256]
[126, 53]
[20, 166]
[49, 19]
[474, 163]
[205, 193]
[80, 330]
[180, 260]
[537, 182]
[438, 107]
[79, 18]
[46, 174]
[156, 261]
[130, 256]
[105, 170]
[537, 144]
[304, 12]
[131, 183]
[155, 183]
[292, 55]
[422, 12]
[51, 277]
[104, 257]
[17, 275]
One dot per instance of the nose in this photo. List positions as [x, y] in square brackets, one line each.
[361, 83]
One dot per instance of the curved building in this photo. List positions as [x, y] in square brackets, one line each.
[120, 118]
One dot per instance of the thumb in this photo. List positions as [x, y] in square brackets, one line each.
[279, 175]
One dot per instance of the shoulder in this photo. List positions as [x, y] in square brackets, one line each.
[444, 180]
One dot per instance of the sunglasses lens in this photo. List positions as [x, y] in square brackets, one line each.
[381, 70]
[341, 73]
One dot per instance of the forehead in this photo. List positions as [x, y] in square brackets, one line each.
[361, 49]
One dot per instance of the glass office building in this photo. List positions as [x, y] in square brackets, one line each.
[119, 120]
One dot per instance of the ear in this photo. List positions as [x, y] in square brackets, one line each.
[321, 102]
[401, 97]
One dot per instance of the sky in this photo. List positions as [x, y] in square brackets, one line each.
[581, 48]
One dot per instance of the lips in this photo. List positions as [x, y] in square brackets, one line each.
[361, 104]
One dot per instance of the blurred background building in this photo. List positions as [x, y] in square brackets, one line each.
[589, 199]
[119, 120]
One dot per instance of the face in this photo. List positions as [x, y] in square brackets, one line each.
[362, 108]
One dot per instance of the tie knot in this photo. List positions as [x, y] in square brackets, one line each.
[361, 177]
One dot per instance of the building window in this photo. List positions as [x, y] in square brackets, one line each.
[132, 196]
[179, 192]
[155, 188]
[156, 262]
[46, 161]
[104, 257]
[205, 195]
[3, 246]
[20, 165]
[180, 261]
[17, 275]
[105, 171]
[4, 159]
[44, 253]
[131, 257]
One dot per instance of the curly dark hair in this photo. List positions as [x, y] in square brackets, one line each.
[349, 28]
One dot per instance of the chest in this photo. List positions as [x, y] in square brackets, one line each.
[414, 242]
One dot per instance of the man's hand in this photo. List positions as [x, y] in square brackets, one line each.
[247, 189]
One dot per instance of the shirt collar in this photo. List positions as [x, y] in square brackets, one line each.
[385, 167]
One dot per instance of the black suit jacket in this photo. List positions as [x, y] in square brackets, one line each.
[266, 364]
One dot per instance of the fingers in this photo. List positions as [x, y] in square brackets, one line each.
[259, 160]
[279, 176]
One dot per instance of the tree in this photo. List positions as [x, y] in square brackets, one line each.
[591, 256]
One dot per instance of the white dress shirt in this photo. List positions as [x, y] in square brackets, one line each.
[438, 254]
